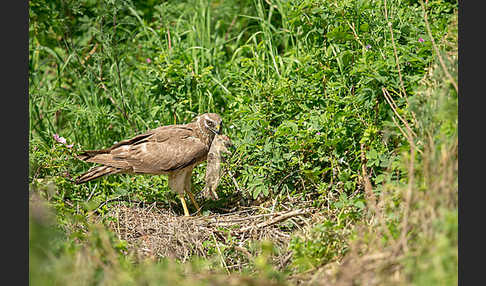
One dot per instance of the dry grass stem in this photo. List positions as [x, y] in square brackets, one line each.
[394, 107]
[437, 52]
[395, 52]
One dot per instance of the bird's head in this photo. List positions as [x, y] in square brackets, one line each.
[211, 123]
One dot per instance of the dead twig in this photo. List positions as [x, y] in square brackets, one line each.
[395, 52]
[234, 181]
[398, 62]
[244, 251]
[88, 56]
[274, 220]
[409, 135]
[436, 49]
[168, 38]
[370, 196]
[356, 37]
[223, 262]
[408, 196]
[285, 178]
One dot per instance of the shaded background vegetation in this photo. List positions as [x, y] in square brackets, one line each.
[301, 86]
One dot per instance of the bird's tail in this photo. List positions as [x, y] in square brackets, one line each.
[97, 172]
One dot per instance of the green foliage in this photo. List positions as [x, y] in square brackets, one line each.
[298, 84]
[326, 241]
[437, 260]
[324, 244]
[300, 92]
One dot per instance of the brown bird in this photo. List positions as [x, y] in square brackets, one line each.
[213, 170]
[173, 150]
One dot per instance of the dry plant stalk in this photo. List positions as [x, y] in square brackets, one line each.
[410, 135]
[398, 63]
[395, 52]
[436, 49]
[370, 196]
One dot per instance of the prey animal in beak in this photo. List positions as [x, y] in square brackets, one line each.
[213, 170]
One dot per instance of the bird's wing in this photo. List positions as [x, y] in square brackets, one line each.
[89, 154]
[168, 148]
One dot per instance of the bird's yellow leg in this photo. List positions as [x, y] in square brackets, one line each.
[184, 206]
[191, 196]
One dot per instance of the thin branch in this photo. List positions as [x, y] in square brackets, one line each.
[223, 262]
[244, 251]
[92, 193]
[230, 27]
[356, 37]
[285, 178]
[395, 52]
[234, 181]
[274, 220]
[394, 107]
[370, 196]
[88, 56]
[441, 61]
[411, 168]
[398, 62]
[168, 38]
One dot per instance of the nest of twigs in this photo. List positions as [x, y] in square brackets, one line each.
[155, 232]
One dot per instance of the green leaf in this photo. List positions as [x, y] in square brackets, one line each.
[256, 191]
[359, 204]
[266, 191]
[372, 154]
[364, 27]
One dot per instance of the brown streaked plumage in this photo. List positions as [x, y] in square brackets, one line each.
[213, 170]
[173, 150]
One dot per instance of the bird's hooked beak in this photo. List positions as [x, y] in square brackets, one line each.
[217, 129]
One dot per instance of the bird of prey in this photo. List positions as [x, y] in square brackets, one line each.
[213, 170]
[173, 150]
